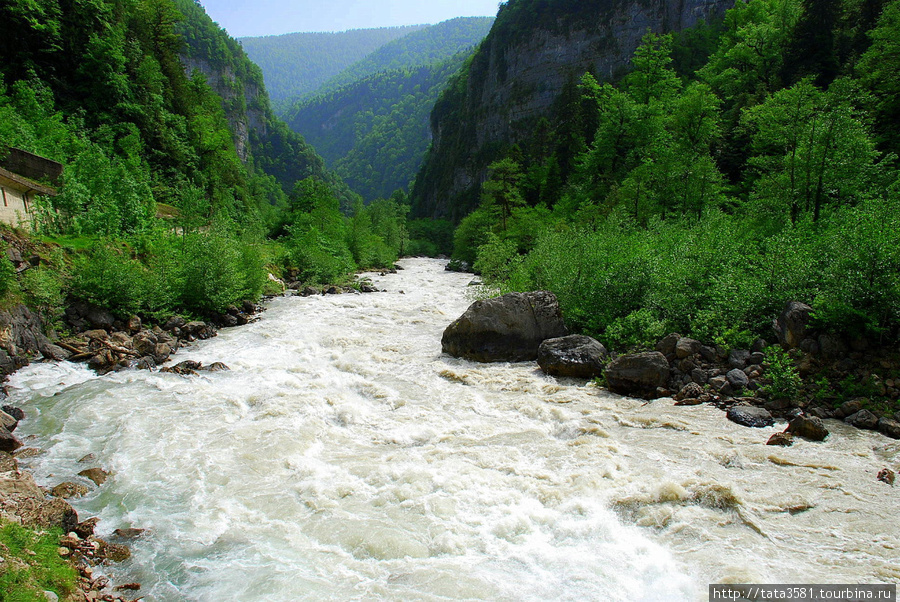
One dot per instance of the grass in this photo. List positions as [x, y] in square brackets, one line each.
[71, 243]
[32, 565]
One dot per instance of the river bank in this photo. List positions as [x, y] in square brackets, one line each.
[343, 456]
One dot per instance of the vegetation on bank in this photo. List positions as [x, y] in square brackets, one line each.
[702, 202]
[159, 212]
[32, 565]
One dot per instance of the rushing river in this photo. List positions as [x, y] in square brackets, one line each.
[343, 457]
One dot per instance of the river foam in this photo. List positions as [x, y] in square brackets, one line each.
[343, 457]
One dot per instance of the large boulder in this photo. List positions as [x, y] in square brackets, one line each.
[790, 326]
[808, 427]
[505, 329]
[686, 347]
[639, 373]
[889, 428]
[863, 419]
[576, 356]
[8, 441]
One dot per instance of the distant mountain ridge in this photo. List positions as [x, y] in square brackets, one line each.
[427, 46]
[373, 129]
[296, 64]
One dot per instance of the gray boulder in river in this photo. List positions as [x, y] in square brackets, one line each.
[505, 329]
[575, 355]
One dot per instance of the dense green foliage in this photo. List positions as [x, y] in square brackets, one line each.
[32, 565]
[175, 166]
[297, 64]
[375, 131]
[371, 122]
[701, 202]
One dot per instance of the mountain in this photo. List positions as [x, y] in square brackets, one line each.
[261, 139]
[373, 129]
[535, 49]
[427, 46]
[374, 133]
[296, 64]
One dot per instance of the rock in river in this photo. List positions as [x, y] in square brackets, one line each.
[750, 416]
[505, 329]
[575, 355]
[640, 373]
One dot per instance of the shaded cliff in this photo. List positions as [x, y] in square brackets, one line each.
[534, 50]
[261, 139]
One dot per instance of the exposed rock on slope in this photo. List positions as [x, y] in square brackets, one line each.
[520, 70]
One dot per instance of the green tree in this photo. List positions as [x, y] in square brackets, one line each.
[501, 192]
[810, 149]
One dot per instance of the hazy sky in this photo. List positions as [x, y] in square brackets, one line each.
[267, 17]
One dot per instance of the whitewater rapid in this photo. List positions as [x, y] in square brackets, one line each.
[344, 457]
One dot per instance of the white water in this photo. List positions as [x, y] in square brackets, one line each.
[344, 457]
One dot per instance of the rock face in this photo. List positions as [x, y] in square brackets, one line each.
[790, 326]
[520, 70]
[510, 328]
[20, 497]
[577, 356]
[639, 374]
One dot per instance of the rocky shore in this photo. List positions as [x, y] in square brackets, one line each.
[106, 344]
[745, 383]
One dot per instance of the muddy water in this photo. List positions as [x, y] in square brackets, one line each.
[344, 457]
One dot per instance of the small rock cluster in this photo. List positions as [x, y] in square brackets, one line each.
[694, 371]
[23, 502]
[109, 345]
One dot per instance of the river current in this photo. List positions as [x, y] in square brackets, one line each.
[344, 457]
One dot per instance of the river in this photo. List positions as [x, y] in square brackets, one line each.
[344, 458]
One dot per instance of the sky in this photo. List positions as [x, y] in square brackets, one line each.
[243, 18]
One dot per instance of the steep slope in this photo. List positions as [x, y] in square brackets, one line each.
[296, 64]
[375, 132]
[261, 139]
[428, 46]
[521, 69]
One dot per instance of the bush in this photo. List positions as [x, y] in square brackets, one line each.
[219, 270]
[780, 370]
[43, 288]
[109, 277]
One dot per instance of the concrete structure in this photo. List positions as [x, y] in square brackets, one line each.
[18, 171]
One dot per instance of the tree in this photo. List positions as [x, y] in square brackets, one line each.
[811, 148]
[501, 193]
[879, 71]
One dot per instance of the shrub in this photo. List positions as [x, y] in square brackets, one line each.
[109, 277]
[780, 370]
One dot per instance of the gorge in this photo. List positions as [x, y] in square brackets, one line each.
[343, 457]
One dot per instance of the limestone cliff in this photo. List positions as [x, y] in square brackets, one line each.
[534, 49]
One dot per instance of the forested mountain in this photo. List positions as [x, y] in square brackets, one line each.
[534, 54]
[297, 64]
[374, 130]
[429, 46]
[261, 139]
[732, 167]
[177, 176]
